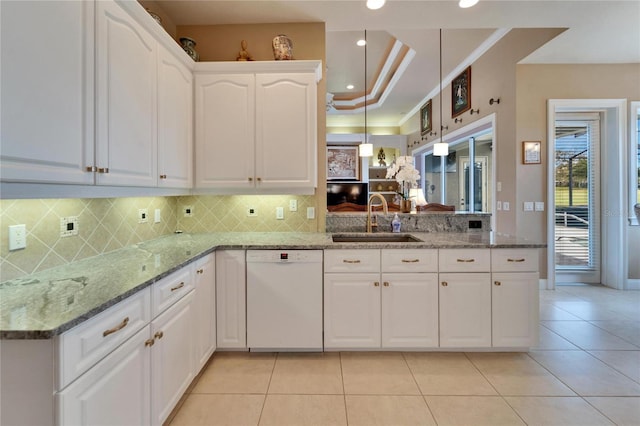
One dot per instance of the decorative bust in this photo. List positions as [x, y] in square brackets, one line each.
[244, 55]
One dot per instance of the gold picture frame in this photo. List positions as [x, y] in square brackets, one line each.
[531, 152]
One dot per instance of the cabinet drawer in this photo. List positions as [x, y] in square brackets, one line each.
[83, 346]
[170, 289]
[464, 260]
[410, 260]
[514, 260]
[363, 260]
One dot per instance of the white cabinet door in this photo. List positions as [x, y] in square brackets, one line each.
[224, 119]
[172, 357]
[205, 306]
[352, 310]
[231, 299]
[126, 107]
[47, 91]
[410, 310]
[515, 311]
[286, 131]
[175, 130]
[465, 310]
[115, 392]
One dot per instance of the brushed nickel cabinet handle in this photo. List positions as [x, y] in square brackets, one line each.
[497, 283]
[158, 335]
[350, 261]
[444, 283]
[178, 287]
[515, 260]
[118, 327]
[465, 260]
[149, 342]
[376, 284]
[410, 260]
[103, 170]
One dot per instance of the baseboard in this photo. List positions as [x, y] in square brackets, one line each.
[633, 284]
[542, 283]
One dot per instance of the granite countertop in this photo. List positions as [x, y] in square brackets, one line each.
[45, 304]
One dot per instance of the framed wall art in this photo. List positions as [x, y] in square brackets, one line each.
[425, 118]
[531, 152]
[461, 93]
[343, 163]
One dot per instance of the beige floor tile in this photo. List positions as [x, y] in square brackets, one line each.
[218, 410]
[372, 410]
[587, 336]
[377, 373]
[300, 410]
[518, 374]
[585, 374]
[313, 373]
[624, 411]
[589, 310]
[447, 374]
[472, 410]
[551, 341]
[237, 372]
[626, 362]
[550, 312]
[627, 330]
[563, 411]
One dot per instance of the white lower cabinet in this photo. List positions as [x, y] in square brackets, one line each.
[231, 299]
[515, 309]
[117, 391]
[465, 310]
[205, 309]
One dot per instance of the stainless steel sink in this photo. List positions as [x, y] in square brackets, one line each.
[375, 238]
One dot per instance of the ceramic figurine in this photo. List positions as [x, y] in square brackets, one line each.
[282, 48]
[188, 44]
[244, 55]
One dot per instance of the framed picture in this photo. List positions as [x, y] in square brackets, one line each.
[343, 163]
[425, 118]
[461, 93]
[531, 152]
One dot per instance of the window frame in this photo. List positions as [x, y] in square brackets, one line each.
[634, 167]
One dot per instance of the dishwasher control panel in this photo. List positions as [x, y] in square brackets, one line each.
[284, 256]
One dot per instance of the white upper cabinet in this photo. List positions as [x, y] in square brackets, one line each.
[47, 91]
[256, 126]
[175, 118]
[126, 104]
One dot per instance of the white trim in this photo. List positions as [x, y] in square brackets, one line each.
[252, 67]
[469, 60]
[543, 284]
[633, 166]
[615, 260]
[633, 284]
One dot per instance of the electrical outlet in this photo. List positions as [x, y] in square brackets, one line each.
[279, 213]
[293, 205]
[539, 206]
[505, 205]
[143, 215]
[528, 206]
[17, 237]
[311, 212]
[252, 212]
[156, 216]
[68, 226]
[499, 205]
[187, 211]
[498, 186]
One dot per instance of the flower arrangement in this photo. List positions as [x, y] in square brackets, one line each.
[405, 174]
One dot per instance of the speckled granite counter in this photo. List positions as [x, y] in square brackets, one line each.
[43, 305]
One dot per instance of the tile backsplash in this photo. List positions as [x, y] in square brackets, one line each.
[106, 224]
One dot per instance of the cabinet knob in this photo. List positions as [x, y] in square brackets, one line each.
[497, 283]
[149, 342]
[444, 283]
[376, 284]
[250, 179]
[103, 170]
[259, 179]
[91, 168]
[200, 271]
[158, 335]
[163, 176]
[386, 283]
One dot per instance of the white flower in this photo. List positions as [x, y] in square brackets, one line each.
[404, 173]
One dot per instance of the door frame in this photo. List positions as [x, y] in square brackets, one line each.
[613, 175]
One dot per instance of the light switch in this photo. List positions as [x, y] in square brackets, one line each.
[311, 212]
[499, 205]
[505, 205]
[17, 237]
[528, 206]
[293, 205]
[279, 213]
[539, 206]
[156, 216]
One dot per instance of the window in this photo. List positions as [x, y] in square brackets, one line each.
[634, 175]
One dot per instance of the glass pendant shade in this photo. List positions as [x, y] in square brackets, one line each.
[441, 149]
[467, 3]
[375, 4]
[365, 150]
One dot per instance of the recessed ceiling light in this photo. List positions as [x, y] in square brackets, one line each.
[375, 4]
[467, 3]
[361, 42]
[350, 86]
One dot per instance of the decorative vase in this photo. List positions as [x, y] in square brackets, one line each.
[188, 44]
[282, 48]
[155, 16]
[405, 206]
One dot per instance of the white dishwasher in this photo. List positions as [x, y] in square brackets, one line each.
[284, 300]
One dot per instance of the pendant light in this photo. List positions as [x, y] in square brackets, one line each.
[365, 149]
[441, 149]
[375, 4]
[464, 4]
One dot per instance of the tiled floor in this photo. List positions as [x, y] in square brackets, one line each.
[586, 371]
